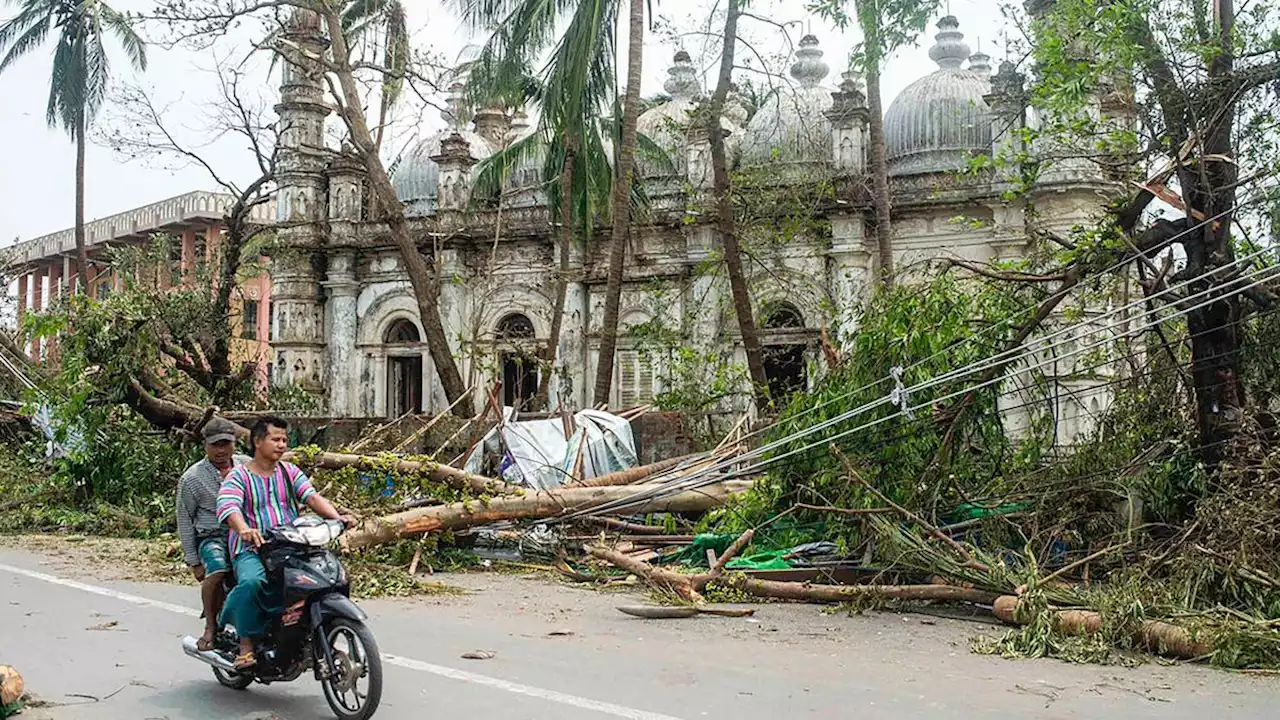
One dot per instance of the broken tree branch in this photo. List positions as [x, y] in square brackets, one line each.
[804, 592]
[528, 506]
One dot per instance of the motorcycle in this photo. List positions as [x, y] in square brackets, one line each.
[320, 630]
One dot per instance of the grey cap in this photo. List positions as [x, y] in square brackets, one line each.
[218, 430]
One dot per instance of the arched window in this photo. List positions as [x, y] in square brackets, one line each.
[402, 332]
[404, 369]
[783, 316]
[784, 361]
[515, 327]
[519, 367]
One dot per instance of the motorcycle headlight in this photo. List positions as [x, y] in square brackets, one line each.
[327, 568]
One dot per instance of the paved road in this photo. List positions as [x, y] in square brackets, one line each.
[788, 662]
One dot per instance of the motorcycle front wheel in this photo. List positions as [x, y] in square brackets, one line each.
[354, 691]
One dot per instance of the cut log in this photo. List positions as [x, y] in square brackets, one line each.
[531, 505]
[11, 686]
[1156, 636]
[450, 476]
[805, 592]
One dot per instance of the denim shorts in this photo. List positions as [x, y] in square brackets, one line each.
[214, 556]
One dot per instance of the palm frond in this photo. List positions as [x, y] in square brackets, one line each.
[64, 84]
[493, 172]
[97, 72]
[655, 154]
[133, 45]
[22, 34]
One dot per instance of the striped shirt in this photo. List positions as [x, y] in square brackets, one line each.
[262, 502]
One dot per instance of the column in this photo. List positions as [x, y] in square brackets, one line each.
[37, 305]
[573, 380]
[340, 310]
[850, 270]
[55, 293]
[188, 256]
[23, 281]
[264, 329]
[212, 253]
[71, 271]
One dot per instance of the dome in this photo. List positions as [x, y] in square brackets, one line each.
[791, 125]
[941, 120]
[417, 177]
[667, 125]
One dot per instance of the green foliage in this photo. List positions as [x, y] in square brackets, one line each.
[929, 329]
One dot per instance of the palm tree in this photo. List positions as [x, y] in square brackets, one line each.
[621, 222]
[78, 82]
[578, 86]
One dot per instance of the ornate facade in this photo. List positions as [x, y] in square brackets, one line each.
[346, 321]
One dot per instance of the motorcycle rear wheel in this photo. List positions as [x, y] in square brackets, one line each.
[356, 655]
[235, 681]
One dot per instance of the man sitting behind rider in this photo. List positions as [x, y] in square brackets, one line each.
[204, 540]
[263, 493]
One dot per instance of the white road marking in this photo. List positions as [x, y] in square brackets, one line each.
[518, 689]
[408, 663]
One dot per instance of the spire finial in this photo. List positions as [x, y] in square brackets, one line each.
[950, 50]
[809, 68]
[682, 77]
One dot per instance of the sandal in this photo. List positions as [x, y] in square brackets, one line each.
[245, 662]
[204, 645]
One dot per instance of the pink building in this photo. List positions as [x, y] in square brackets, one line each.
[46, 266]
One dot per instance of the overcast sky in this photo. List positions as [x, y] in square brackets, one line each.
[37, 178]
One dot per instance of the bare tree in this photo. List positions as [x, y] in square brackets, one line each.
[142, 129]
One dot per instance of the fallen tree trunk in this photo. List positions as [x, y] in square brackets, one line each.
[630, 475]
[805, 592]
[1156, 636]
[531, 505]
[450, 476]
[169, 414]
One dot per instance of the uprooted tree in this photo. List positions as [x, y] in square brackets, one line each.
[128, 345]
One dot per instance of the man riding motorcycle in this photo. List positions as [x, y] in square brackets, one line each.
[262, 493]
[204, 540]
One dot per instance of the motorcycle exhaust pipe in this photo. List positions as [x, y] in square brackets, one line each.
[206, 656]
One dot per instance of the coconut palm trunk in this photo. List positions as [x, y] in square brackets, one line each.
[621, 222]
[726, 222]
[84, 273]
[562, 274]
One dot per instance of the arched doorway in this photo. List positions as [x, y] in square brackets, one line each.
[515, 336]
[784, 362]
[404, 368]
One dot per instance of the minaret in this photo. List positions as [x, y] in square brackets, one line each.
[849, 119]
[346, 200]
[297, 325]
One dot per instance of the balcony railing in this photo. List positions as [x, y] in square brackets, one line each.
[198, 205]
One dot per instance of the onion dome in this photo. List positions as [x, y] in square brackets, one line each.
[791, 125]
[941, 120]
[417, 177]
[667, 125]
